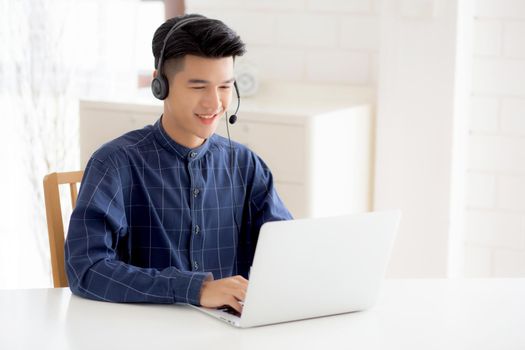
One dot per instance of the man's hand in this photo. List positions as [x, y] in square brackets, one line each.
[226, 291]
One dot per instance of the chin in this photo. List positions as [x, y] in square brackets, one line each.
[206, 135]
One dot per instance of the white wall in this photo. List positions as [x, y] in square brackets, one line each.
[422, 125]
[338, 41]
[495, 213]
[329, 41]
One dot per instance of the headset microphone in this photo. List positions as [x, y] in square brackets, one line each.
[233, 117]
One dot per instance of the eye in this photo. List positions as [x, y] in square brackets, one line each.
[198, 87]
[225, 87]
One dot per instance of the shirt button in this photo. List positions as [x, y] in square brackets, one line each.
[197, 229]
[193, 154]
[196, 192]
[195, 266]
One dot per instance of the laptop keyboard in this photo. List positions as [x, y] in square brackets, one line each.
[230, 310]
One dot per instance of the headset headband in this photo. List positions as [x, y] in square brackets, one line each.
[176, 26]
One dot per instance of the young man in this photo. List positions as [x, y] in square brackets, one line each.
[170, 213]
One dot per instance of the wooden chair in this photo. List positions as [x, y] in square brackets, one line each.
[55, 227]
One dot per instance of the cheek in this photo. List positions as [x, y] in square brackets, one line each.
[227, 99]
[183, 102]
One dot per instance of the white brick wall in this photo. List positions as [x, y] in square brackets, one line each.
[487, 40]
[497, 229]
[501, 9]
[481, 190]
[330, 41]
[513, 43]
[511, 193]
[512, 115]
[484, 113]
[495, 215]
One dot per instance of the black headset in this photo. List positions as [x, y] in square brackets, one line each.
[160, 84]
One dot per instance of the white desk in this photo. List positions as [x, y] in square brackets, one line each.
[410, 314]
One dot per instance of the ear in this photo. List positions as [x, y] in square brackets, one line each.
[155, 73]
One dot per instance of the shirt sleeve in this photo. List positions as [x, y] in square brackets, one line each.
[93, 267]
[265, 204]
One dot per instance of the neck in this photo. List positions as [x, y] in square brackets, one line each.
[180, 136]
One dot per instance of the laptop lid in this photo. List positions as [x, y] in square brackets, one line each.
[309, 268]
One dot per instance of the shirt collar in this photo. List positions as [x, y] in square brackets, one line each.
[172, 146]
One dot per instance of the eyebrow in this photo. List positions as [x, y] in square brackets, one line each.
[200, 81]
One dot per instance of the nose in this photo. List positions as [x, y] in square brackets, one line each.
[211, 102]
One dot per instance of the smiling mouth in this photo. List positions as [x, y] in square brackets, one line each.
[203, 116]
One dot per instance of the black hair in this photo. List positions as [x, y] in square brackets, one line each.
[205, 37]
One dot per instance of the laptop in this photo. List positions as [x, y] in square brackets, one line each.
[310, 268]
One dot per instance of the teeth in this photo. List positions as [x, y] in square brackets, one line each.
[205, 116]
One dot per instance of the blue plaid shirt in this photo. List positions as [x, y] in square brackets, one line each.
[154, 219]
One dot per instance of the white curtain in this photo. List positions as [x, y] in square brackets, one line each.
[52, 53]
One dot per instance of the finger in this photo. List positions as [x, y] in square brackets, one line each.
[239, 294]
[235, 283]
[238, 286]
[241, 280]
[235, 304]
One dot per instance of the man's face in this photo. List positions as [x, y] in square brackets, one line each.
[199, 94]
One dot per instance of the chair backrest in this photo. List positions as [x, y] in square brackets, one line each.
[55, 227]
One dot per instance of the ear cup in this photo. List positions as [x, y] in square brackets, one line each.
[160, 87]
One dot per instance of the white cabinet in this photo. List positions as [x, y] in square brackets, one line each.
[317, 140]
